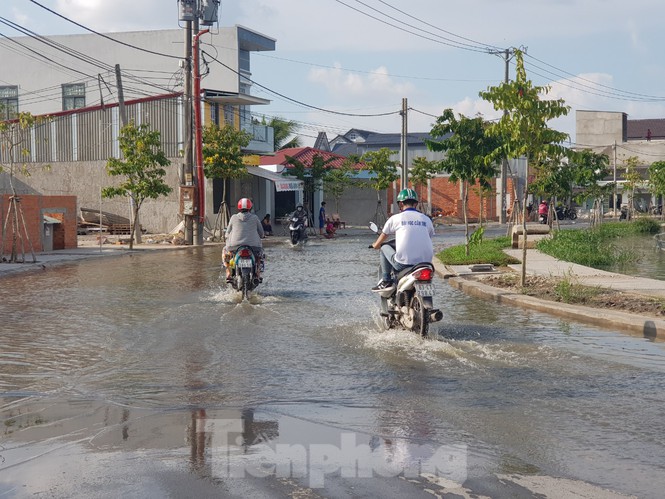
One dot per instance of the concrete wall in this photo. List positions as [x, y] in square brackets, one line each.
[84, 180]
[599, 128]
[356, 207]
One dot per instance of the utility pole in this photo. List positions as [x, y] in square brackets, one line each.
[121, 96]
[189, 159]
[404, 145]
[507, 54]
[198, 139]
[616, 196]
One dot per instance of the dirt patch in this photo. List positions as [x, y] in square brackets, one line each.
[568, 291]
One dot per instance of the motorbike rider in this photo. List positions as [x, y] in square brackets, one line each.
[413, 232]
[301, 215]
[244, 229]
[543, 209]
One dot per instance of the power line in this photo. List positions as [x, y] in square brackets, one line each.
[103, 35]
[300, 103]
[440, 39]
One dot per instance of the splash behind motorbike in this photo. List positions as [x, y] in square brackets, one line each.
[243, 271]
[409, 303]
[297, 230]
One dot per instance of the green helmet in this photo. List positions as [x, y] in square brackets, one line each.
[405, 194]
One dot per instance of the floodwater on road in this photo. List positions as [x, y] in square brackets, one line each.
[144, 376]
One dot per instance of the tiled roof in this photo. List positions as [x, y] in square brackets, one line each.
[638, 129]
[305, 155]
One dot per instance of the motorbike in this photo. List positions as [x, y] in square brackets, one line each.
[297, 230]
[542, 219]
[566, 212]
[244, 271]
[409, 302]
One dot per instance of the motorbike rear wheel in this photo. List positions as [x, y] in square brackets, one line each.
[387, 320]
[420, 316]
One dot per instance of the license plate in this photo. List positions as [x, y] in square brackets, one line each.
[425, 289]
[245, 263]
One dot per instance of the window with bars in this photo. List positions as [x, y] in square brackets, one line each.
[8, 102]
[73, 96]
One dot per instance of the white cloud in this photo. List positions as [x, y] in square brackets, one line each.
[376, 85]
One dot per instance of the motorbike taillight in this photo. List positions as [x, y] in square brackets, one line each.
[245, 253]
[423, 274]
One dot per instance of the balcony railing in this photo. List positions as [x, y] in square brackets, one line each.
[263, 138]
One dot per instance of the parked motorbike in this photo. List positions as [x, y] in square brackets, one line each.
[244, 271]
[409, 302]
[297, 230]
[566, 212]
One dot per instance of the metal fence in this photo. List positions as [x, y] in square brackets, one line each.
[91, 134]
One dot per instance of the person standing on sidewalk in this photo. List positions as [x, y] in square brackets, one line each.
[322, 217]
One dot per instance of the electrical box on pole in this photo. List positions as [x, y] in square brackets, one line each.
[188, 10]
[209, 12]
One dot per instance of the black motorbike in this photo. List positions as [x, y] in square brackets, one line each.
[244, 266]
[297, 230]
[566, 213]
[542, 219]
[409, 302]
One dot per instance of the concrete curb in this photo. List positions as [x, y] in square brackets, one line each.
[636, 325]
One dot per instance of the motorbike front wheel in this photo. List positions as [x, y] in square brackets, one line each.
[295, 237]
[420, 316]
[572, 215]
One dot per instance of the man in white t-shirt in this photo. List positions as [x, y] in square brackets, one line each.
[413, 239]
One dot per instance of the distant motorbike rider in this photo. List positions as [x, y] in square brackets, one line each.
[301, 215]
[244, 229]
[543, 208]
[413, 232]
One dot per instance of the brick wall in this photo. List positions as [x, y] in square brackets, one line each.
[446, 197]
[34, 207]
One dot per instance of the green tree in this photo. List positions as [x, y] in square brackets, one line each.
[338, 180]
[466, 144]
[590, 169]
[312, 175]
[284, 133]
[632, 179]
[223, 159]
[383, 172]
[15, 137]
[523, 129]
[421, 171]
[142, 170]
[657, 180]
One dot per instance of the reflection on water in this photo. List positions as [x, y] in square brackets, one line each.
[650, 261]
[132, 361]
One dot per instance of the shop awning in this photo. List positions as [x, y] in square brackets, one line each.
[281, 182]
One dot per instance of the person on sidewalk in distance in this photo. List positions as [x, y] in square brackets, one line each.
[413, 232]
[244, 229]
[322, 217]
[267, 226]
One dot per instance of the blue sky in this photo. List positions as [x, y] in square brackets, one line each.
[344, 55]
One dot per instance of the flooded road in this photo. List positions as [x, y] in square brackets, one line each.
[143, 376]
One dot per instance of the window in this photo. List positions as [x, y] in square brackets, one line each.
[8, 102]
[73, 96]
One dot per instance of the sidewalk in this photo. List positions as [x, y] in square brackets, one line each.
[537, 263]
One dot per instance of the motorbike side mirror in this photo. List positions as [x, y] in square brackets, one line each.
[373, 227]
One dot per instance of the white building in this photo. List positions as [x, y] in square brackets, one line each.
[74, 79]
